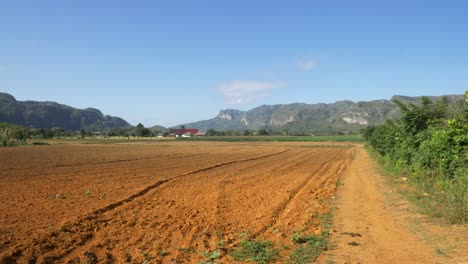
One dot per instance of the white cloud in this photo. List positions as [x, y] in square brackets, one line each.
[307, 64]
[242, 92]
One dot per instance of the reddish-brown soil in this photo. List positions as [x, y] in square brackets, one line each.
[168, 202]
[164, 202]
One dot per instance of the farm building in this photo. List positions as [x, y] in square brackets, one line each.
[200, 134]
[185, 132]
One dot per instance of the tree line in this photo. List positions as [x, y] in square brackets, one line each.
[216, 133]
[429, 145]
[11, 134]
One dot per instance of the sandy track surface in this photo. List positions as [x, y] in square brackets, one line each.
[166, 203]
[370, 228]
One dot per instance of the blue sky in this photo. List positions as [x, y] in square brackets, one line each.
[171, 62]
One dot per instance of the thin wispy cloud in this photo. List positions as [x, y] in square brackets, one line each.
[242, 92]
[306, 64]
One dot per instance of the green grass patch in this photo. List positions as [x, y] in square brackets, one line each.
[310, 246]
[259, 251]
[345, 138]
[210, 256]
[321, 146]
[100, 140]
[434, 195]
[306, 253]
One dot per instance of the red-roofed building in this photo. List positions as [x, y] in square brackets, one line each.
[183, 132]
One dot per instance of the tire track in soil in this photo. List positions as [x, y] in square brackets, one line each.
[197, 227]
[104, 169]
[84, 226]
[98, 163]
[295, 190]
[294, 162]
[280, 211]
[34, 209]
[227, 179]
[169, 229]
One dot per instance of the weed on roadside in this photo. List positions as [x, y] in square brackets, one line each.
[259, 251]
[310, 246]
[210, 256]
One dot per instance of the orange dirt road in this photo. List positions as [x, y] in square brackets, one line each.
[370, 230]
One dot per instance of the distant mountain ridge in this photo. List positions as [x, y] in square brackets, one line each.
[296, 118]
[35, 114]
[301, 118]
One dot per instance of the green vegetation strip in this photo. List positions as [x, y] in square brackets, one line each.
[428, 147]
[347, 138]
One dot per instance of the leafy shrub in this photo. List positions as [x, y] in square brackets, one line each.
[430, 144]
[445, 150]
[11, 135]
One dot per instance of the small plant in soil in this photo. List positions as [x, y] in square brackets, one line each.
[311, 247]
[210, 256]
[259, 251]
[146, 257]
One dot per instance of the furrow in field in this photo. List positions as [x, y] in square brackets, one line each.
[279, 210]
[172, 209]
[204, 223]
[33, 171]
[159, 183]
[107, 162]
[302, 213]
[91, 222]
[286, 166]
[218, 192]
[65, 193]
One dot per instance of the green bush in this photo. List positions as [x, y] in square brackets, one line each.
[444, 151]
[429, 143]
[11, 135]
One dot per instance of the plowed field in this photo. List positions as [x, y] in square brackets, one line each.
[170, 202]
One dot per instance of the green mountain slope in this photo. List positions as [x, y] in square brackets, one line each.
[50, 114]
[297, 118]
[300, 118]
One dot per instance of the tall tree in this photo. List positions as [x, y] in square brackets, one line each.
[140, 130]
